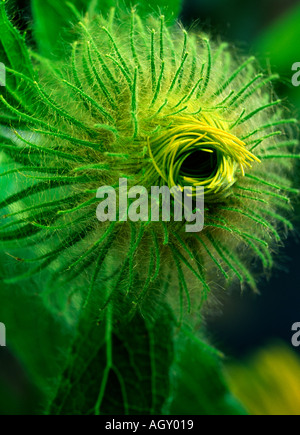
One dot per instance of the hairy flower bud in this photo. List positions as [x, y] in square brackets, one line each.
[158, 106]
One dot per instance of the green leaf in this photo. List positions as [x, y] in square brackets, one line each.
[279, 45]
[123, 371]
[14, 55]
[198, 380]
[13, 48]
[280, 42]
[54, 20]
[113, 370]
[17, 394]
[34, 336]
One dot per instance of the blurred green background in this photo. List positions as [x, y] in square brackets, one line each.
[270, 29]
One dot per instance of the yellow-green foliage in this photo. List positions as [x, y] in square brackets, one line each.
[268, 381]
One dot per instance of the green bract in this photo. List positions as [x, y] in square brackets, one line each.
[159, 106]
